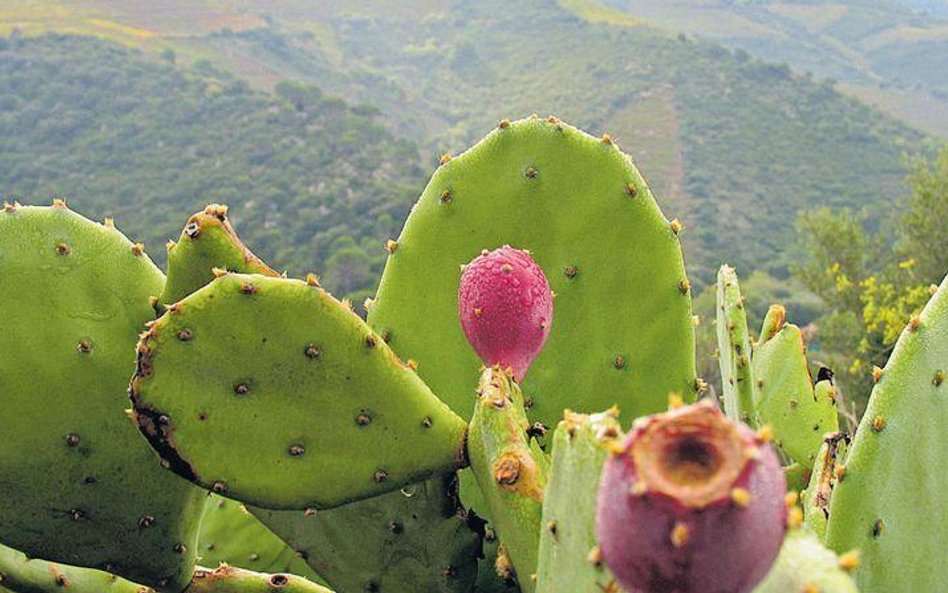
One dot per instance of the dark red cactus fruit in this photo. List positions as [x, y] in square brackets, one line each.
[506, 307]
[691, 502]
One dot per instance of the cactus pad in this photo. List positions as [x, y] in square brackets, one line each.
[891, 503]
[805, 566]
[231, 535]
[409, 540]
[23, 575]
[208, 241]
[785, 397]
[228, 579]
[734, 349]
[79, 485]
[623, 331]
[510, 469]
[270, 391]
[570, 559]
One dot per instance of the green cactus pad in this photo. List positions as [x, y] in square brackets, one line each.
[228, 579]
[79, 484]
[891, 503]
[797, 476]
[231, 535]
[19, 574]
[270, 391]
[826, 471]
[734, 349]
[569, 554]
[409, 540]
[805, 566]
[785, 398]
[622, 330]
[208, 241]
[511, 470]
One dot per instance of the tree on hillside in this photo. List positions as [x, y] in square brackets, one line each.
[871, 290]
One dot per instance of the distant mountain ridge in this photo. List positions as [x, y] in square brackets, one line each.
[733, 146]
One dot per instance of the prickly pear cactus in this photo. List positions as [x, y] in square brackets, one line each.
[413, 539]
[623, 331]
[570, 559]
[19, 574]
[270, 391]
[208, 241]
[805, 566]
[785, 398]
[78, 485]
[231, 535]
[734, 349]
[890, 503]
[510, 469]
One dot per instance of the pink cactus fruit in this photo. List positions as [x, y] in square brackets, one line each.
[506, 308]
[691, 502]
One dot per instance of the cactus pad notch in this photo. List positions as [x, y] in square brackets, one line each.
[623, 327]
[269, 391]
[79, 484]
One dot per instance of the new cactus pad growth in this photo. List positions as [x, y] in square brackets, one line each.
[506, 308]
[691, 502]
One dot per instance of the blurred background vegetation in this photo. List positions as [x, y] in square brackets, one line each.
[798, 140]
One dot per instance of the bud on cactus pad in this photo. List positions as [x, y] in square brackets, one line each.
[506, 307]
[691, 501]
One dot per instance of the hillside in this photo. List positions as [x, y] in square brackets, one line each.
[124, 135]
[889, 53]
[733, 146]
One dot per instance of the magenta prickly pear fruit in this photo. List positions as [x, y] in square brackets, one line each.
[506, 307]
[691, 501]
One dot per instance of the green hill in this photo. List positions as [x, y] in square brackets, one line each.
[733, 146]
[889, 53]
[126, 135]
